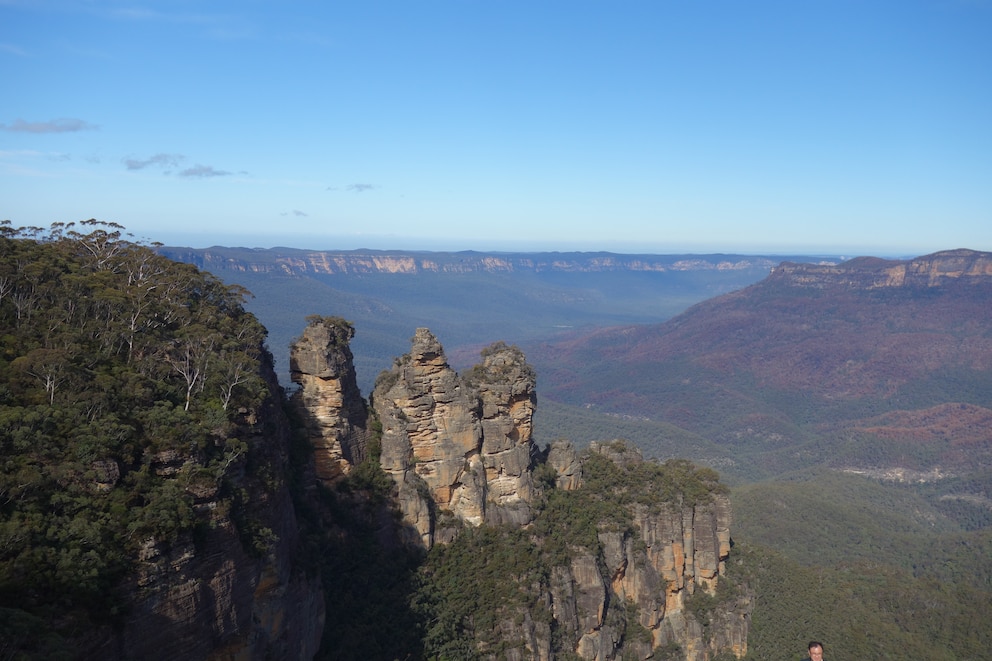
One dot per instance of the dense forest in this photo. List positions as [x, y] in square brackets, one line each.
[113, 360]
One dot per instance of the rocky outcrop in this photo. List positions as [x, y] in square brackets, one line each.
[330, 405]
[459, 451]
[455, 446]
[643, 585]
[937, 269]
[672, 552]
[505, 385]
[562, 457]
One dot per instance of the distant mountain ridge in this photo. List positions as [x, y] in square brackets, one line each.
[872, 272]
[869, 363]
[344, 262]
[466, 298]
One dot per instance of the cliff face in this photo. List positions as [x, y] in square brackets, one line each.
[333, 411]
[234, 591]
[459, 451]
[145, 508]
[291, 261]
[672, 553]
[455, 446]
[937, 269]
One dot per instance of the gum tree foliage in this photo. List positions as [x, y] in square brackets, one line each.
[109, 355]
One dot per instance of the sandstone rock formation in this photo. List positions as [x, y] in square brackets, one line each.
[458, 446]
[329, 401]
[563, 458]
[937, 269]
[645, 585]
[459, 450]
[298, 262]
[676, 551]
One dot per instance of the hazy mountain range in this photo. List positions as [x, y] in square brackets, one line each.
[872, 365]
[769, 364]
[467, 298]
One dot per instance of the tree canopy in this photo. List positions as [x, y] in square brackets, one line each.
[122, 374]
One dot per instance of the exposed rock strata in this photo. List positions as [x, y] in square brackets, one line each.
[937, 269]
[459, 450]
[628, 596]
[295, 262]
[455, 445]
[563, 458]
[332, 408]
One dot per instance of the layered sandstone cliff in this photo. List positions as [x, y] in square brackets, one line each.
[332, 409]
[459, 450]
[455, 446]
[673, 551]
[935, 270]
[295, 262]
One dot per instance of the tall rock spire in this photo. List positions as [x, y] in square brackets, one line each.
[461, 446]
[334, 414]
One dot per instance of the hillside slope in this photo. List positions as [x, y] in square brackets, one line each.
[871, 364]
[146, 508]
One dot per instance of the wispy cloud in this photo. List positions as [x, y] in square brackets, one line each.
[29, 162]
[62, 125]
[217, 26]
[158, 160]
[145, 14]
[204, 172]
[360, 188]
[295, 212]
[20, 153]
[12, 49]
[169, 161]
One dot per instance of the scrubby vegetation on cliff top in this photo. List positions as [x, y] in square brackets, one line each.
[488, 576]
[116, 366]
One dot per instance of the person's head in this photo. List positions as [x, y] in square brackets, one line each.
[815, 648]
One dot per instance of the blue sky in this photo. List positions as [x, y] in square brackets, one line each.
[824, 126]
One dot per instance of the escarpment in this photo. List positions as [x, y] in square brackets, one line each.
[624, 556]
[146, 509]
[934, 270]
[233, 587]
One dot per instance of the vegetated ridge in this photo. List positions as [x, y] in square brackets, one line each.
[873, 365]
[145, 500]
[850, 406]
